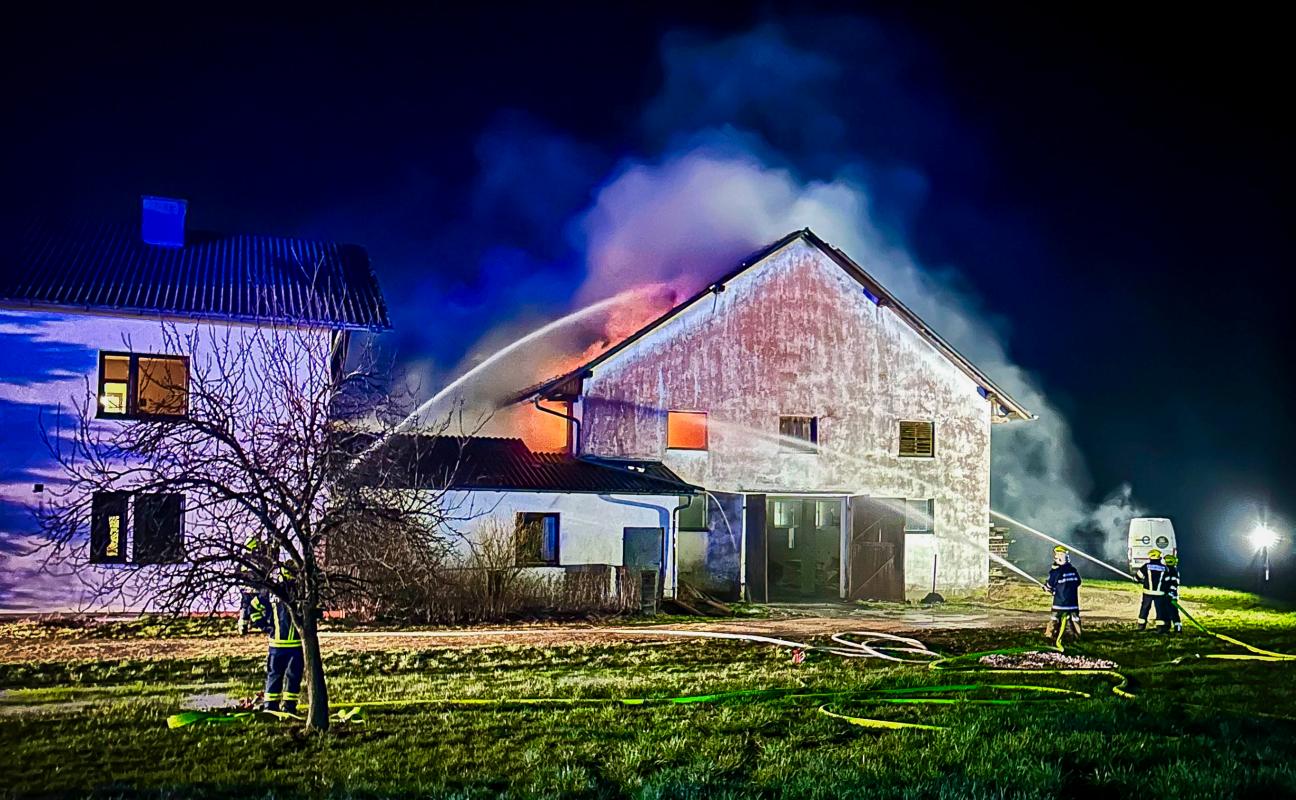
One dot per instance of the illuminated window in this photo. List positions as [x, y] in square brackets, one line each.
[143, 387]
[155, 528]
[917, 439]
[799, 434]
[108, 530]
[919, 516]
[114, 381]
[163, 386]
[537, 539]
[686, 430]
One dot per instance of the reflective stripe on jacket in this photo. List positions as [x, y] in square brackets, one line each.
[1153, 577]
[1064, 582]
[277, 623]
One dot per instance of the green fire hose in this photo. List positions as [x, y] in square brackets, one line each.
[874, 645]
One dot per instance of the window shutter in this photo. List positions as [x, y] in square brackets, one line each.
[917, 439]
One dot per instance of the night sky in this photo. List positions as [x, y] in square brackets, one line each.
[1113, 189]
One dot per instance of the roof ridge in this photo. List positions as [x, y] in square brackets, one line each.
[837, 256]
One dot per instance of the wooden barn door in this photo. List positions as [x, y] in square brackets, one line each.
[876, 549]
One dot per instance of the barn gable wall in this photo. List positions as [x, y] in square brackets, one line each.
[797, 335]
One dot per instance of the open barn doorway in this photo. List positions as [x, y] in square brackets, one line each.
[803, 540]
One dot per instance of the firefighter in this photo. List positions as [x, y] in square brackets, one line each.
[247, 591]
[1152, 576]
[1172, 593]
[286, 661]
[1064, 584]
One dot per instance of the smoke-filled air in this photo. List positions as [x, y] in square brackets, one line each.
[722, 168]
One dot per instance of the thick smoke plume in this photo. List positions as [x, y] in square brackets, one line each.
[747, 142]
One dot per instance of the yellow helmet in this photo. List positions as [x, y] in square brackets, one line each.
[1154, 554]
[1060, 549]
[1172, 560]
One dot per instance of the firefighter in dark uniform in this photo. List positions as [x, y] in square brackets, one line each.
[1152, 576]
[286, 661]
[247, 592]
[1064, 584]
[1172, 593]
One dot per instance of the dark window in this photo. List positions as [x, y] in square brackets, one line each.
[799, 434]
[159, 528]
[108, 530]
[537, 539]
[693, 517]
[919, 516]
[917, 439]
[686, 430]
[143, 386]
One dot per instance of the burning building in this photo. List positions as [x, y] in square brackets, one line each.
[842, 446]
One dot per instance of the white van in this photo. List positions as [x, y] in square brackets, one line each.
[1150, 533]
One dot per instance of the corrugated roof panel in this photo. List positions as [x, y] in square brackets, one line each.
[246, 278]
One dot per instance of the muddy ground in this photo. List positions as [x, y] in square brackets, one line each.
[791, 622]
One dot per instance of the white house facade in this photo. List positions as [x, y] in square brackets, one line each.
[90, 317]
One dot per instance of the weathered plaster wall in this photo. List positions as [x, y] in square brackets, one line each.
[797, 335]
[49, 365]
[590, 526]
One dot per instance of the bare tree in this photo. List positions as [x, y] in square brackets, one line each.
[279, 459]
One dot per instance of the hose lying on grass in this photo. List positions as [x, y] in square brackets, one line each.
[1259, 654]
[865, 644]
[850, 644]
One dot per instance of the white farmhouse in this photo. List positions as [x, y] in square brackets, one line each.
[82, 310]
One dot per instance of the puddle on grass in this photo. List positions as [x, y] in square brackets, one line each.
[15, 710]
[205, 702]
[20, 702]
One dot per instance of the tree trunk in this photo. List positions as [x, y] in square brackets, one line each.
[317, 715]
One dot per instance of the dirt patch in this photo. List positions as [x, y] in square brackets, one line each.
[73, 649]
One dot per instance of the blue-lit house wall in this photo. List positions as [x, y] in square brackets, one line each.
[49, 363]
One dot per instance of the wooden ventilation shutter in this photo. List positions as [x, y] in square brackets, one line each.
[917, 439]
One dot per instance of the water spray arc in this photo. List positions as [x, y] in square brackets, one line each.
[538, 333]
[1072, 548]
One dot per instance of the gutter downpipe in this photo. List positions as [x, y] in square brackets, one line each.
[576, 438]
[672, 557]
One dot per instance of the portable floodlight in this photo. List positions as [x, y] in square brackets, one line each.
[1262, 538]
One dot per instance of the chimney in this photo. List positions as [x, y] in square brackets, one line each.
[162, 221]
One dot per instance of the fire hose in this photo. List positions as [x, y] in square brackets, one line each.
[870, 644]
[866, 644]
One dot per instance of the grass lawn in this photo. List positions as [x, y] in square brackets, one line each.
[1200, 728]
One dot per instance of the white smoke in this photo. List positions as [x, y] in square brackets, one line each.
[685, 218]
[719, 191]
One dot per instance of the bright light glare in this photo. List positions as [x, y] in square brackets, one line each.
[1262, 537]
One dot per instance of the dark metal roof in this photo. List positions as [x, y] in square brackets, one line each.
[568, 384]
[497, 464]
[108, 268]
